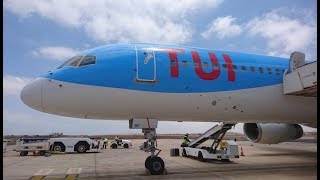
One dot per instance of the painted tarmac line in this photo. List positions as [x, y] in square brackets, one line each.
[73, 173]
[37, 177]
[72, 176]
[41, 174]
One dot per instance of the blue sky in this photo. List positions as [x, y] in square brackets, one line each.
[41, 35]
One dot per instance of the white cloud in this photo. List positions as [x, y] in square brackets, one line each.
[283, 35]
[222, 27]
[55, 53]
[157, 21]
[13, 85]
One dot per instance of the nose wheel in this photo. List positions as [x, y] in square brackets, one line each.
[155, 165]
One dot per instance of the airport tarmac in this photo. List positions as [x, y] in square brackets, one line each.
[289, 160]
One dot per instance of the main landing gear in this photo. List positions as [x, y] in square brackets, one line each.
[154, 164]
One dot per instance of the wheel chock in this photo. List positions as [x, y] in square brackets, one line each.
[165, 171]
[147, 172]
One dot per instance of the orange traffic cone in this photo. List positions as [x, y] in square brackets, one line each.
[241, 153]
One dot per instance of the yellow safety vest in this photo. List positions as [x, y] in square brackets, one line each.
[184, 140]
[222, 145]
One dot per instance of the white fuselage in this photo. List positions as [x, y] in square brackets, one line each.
[263, 104]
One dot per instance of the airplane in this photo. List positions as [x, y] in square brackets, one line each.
[175, 83]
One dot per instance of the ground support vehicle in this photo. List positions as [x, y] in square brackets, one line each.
[5, 142]
[219, 150]
[206, 153]
[70, 144]
[123, 144]
[35, 145]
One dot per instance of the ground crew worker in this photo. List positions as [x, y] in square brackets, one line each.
[117, 139]
[105, 143]
[222, 145]
[185, 140]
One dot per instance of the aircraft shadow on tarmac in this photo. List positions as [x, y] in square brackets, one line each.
[214, 161]
[273, 151]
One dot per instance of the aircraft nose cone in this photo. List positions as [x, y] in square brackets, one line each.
[31, 94]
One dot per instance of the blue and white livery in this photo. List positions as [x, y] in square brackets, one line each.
[119, 82]
[146, 83]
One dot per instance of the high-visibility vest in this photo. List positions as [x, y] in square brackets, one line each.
[184, 140]
[222, 145]
[105, 140]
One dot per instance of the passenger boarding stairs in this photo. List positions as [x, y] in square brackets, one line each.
[301, 79]
[216, 133]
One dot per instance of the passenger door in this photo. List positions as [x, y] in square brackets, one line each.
[146, 65]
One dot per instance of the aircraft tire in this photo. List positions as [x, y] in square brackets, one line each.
[155, 165]
[126, 146]
[147, 162]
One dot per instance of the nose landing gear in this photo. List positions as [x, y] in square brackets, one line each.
[154, 164]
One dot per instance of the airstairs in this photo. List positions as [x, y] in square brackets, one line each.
[227, 150]
[301, 79]
[216, 133]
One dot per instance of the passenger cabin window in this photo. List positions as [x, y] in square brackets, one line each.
[215, 66]
[243, 68]
[173, 63]
[277, 71]
[261, 70]
[205, 65]
[88, 60]
[269, 70]
[184, 63]
[70, 61]
[224, 66]
[196, 64]
[252, 69]
[234, 67]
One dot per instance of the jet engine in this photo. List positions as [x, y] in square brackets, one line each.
[272, 133]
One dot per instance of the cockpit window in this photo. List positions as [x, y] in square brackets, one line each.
[88, 60]
[71, 62]
[76, 61]
[65, 63]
